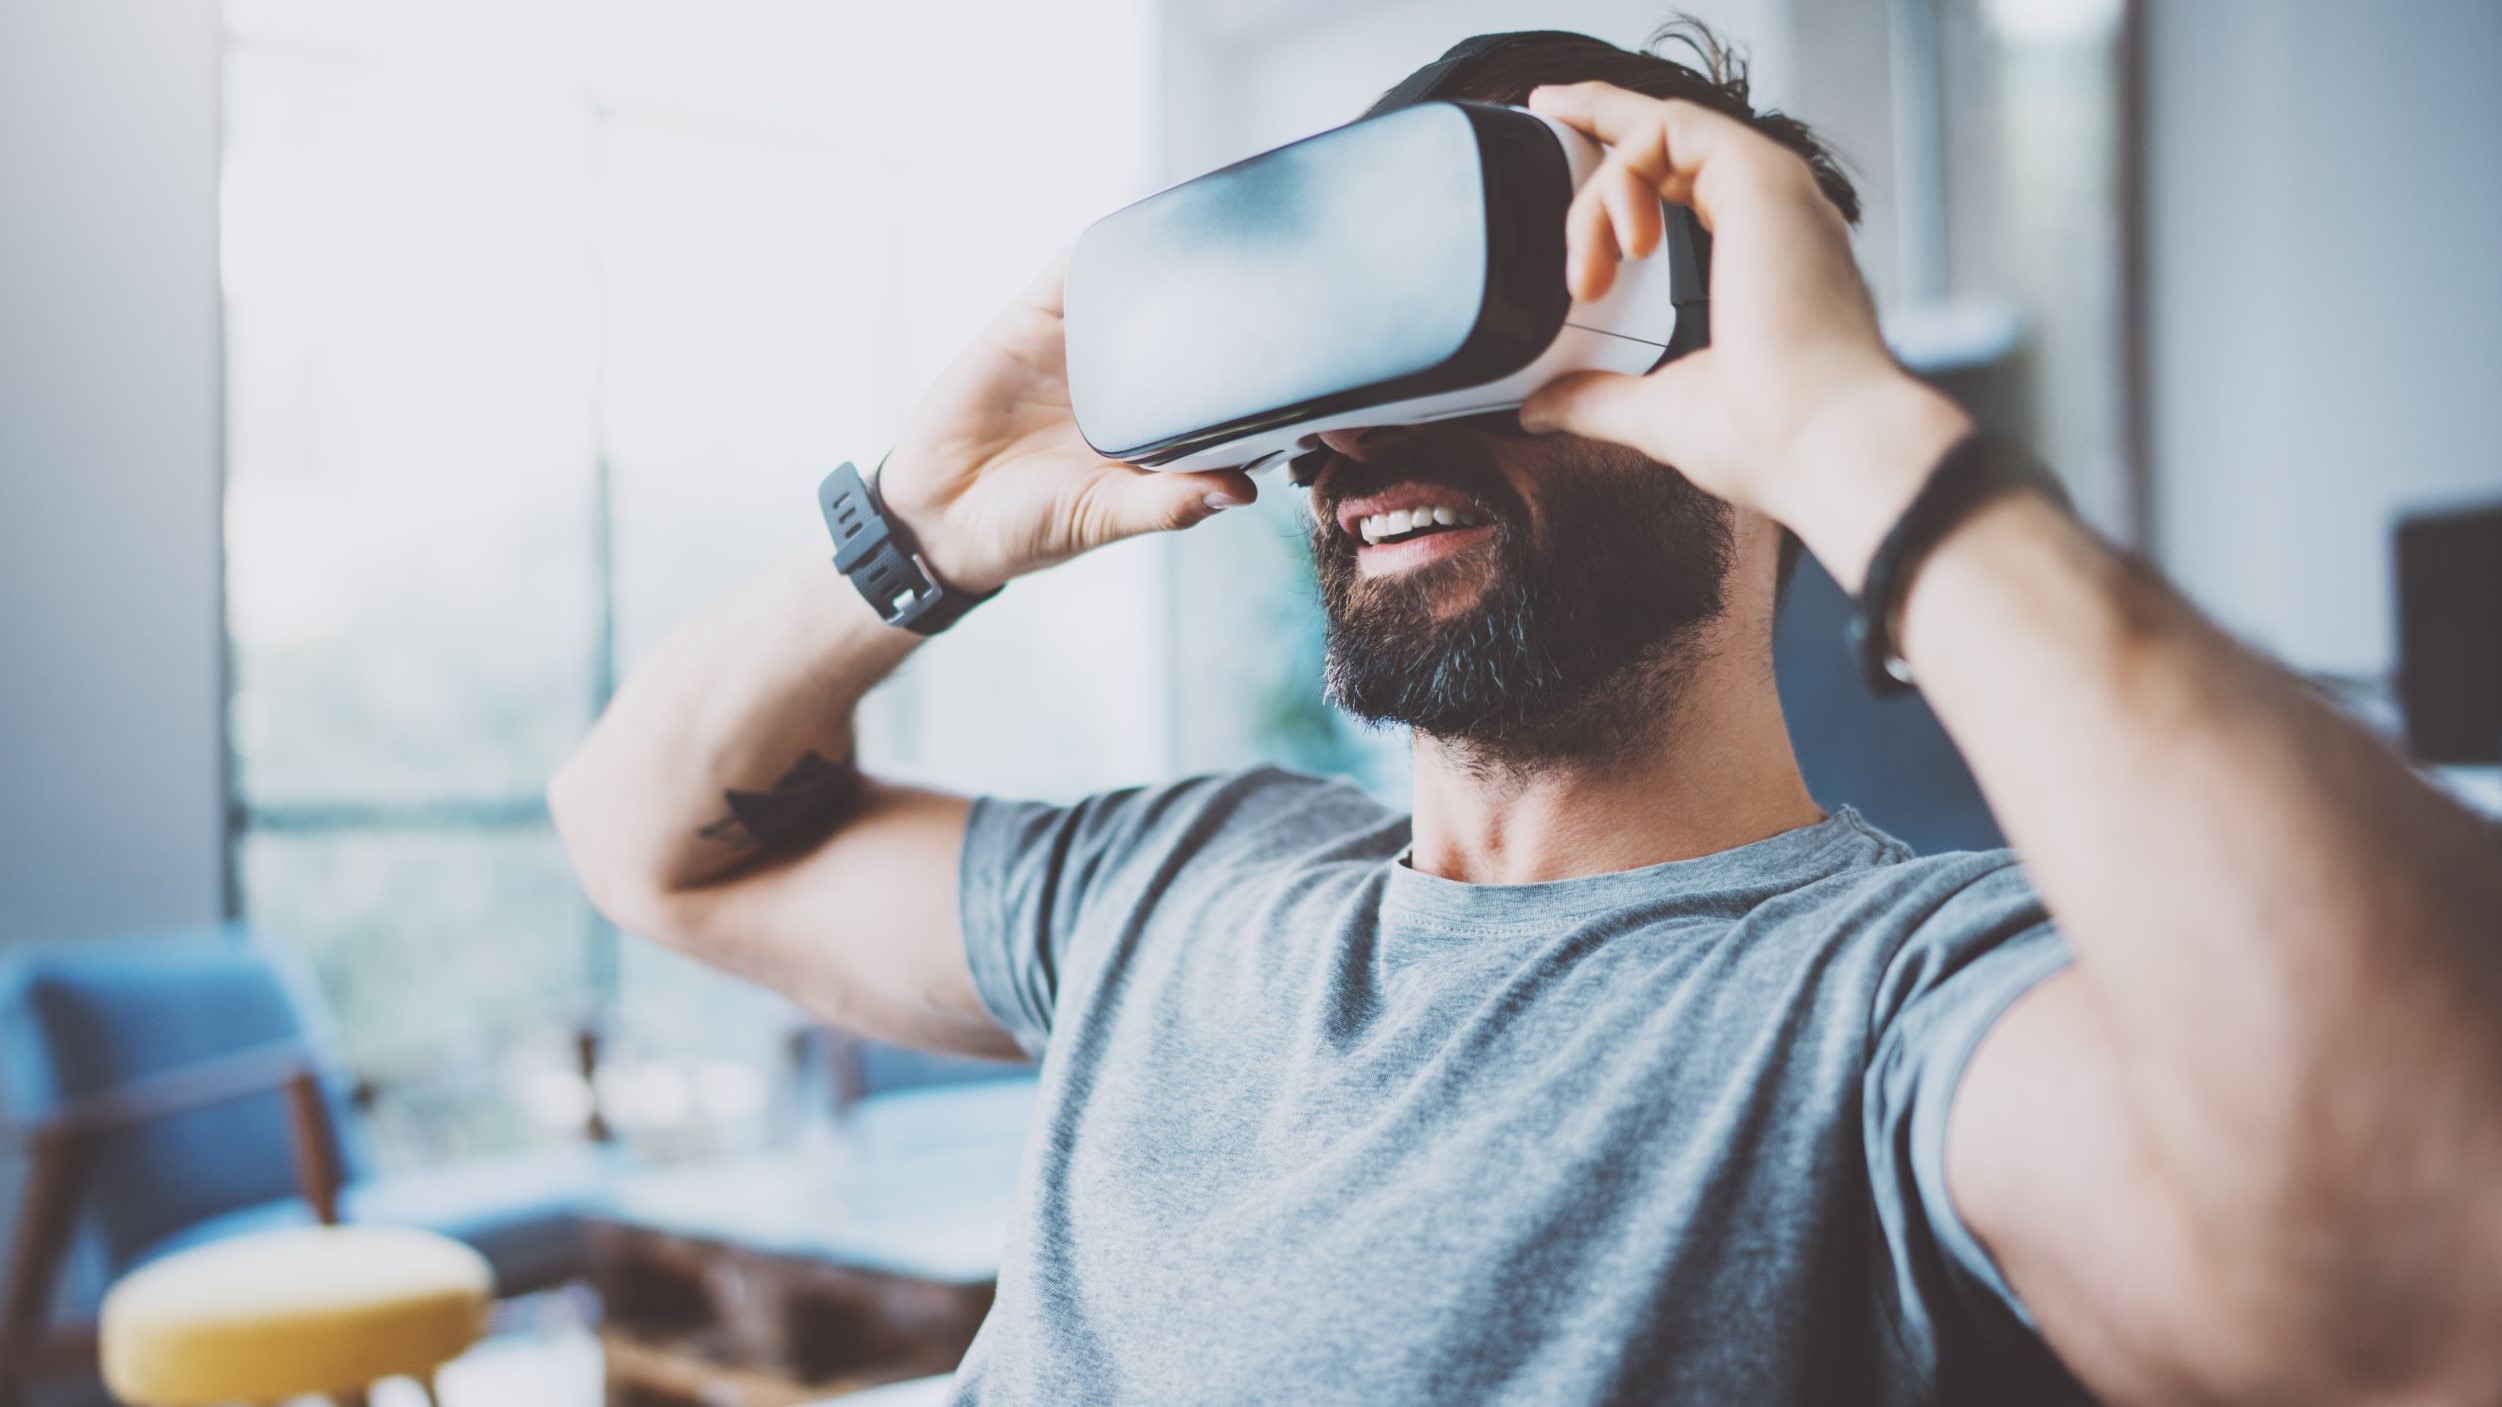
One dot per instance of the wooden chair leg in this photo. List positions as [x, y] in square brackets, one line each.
[586, 1052]
[316, 1148]
[43, 1235]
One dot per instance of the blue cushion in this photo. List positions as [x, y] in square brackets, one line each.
[523, 1213]
[80, 1020]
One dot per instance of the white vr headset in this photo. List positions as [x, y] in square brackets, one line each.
[1401, 269]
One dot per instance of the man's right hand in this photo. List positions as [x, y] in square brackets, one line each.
[992, 476]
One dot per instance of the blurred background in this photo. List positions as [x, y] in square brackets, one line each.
[379, 381]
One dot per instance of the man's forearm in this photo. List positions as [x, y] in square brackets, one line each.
[734, 736]
[2289, 933]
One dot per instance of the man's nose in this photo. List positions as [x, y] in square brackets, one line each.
[1363, 443]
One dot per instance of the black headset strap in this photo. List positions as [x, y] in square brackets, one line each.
[1689, 244]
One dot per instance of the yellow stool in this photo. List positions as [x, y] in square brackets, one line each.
[265, 1318]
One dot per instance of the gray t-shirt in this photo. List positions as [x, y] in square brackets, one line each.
[1316, 1127]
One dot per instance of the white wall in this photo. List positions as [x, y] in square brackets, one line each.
[109, 450]
[1249, 74]
[2325, 291]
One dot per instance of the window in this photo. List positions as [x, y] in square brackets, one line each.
[544, 317]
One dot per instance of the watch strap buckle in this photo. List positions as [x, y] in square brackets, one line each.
[880, 560]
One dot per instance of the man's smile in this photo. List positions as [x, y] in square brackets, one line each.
[1411, 552]
[1412, 524]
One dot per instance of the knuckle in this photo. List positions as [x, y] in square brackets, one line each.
[1799, 179]
[1775, 171]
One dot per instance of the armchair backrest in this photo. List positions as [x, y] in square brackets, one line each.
[79, 1021]
[1889, 758]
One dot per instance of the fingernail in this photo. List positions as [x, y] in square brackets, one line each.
[1218, 502]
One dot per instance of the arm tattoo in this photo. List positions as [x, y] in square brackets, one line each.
[799, 808]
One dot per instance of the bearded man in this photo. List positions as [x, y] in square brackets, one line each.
[1619, 1070]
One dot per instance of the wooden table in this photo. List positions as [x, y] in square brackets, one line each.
[775, 1281]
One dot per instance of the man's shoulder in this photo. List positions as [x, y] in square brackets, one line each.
[1258, 795]
[1918, 920]
[1251, 812]
[1882, 898]
[1883, 872]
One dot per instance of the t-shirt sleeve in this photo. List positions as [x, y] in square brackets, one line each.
[1980, 941]
[1044, 887]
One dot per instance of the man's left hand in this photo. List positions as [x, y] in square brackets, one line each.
[1796, 409]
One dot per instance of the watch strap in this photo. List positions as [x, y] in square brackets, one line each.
[882, 561]
[1974, 471]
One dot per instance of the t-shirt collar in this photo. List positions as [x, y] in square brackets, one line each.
[1776, 862]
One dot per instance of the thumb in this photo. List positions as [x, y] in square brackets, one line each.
[1641, 412]
[1147, 500]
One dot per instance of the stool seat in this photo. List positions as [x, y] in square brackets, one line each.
[267, 1317]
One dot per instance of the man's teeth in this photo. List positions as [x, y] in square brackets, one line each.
[1397, 521]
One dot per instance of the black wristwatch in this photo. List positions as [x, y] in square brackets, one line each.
[1972, 472]
[880, 557]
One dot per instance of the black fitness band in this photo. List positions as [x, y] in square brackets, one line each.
[1972, 472]
[881, 559]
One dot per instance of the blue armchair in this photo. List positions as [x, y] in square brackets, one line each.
[171, 1091]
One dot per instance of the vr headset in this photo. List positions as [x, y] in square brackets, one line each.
[1404, 268]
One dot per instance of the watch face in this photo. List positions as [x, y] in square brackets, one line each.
[1389, 258]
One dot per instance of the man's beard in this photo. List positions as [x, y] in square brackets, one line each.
[1573, 635]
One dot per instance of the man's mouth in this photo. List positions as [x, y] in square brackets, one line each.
[1409, 551]
[1411, 509]
[1406, 524]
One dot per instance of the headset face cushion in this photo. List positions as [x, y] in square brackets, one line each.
[1412, 253]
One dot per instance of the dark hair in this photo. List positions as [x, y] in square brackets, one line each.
[1502, 68]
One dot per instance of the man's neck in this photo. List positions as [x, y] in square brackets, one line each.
[1715, 773]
